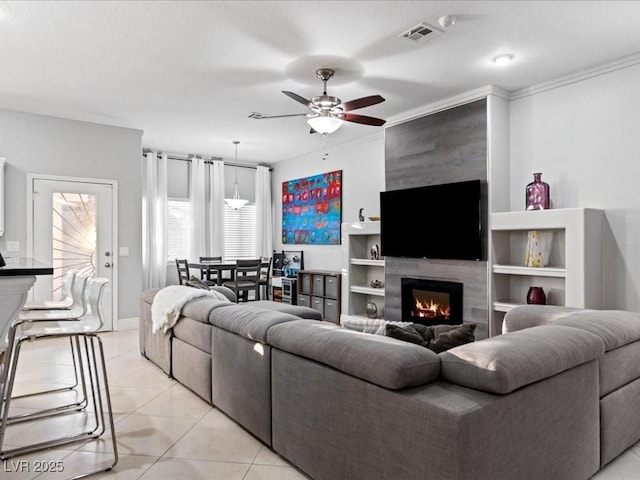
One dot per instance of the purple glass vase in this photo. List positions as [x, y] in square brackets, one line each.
[537, 194]
[536, 296]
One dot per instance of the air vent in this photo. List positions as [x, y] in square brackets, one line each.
[421, 33]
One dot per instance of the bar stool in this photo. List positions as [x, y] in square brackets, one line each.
[92, 367]
[72, 310]
[64, 303]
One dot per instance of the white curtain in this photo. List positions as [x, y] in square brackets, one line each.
[197, 209]
[264, 225]
[216, 208]
[154, 220]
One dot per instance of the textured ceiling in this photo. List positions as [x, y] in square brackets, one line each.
[189, 73]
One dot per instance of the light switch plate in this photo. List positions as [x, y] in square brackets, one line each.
[123, 251]
[13, 246]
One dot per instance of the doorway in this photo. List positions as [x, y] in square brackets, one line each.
[72, 226]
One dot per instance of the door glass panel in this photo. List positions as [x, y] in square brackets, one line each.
[74, 236]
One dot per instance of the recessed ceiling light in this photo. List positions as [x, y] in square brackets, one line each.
[502, 59]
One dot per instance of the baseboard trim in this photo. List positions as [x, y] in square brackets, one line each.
[127, 323]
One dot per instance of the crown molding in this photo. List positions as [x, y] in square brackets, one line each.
[445, 104]
[612, 66]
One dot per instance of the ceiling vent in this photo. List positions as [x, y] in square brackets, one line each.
[421, 33]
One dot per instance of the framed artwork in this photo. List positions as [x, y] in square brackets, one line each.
[312, 209]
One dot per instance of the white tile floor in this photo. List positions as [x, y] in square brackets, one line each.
[164, 431]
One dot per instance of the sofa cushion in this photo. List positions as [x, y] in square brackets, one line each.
[248, 321]
[299, 311]
[615, 327]
[504, 363]
[377, 359]
[200, 308]
[194, 333]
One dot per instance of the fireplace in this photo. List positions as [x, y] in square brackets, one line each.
[431, 302]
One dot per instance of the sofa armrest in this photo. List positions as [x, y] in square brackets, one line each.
[507, 362]
[377, 359]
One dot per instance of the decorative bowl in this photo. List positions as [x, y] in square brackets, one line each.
[374, 219]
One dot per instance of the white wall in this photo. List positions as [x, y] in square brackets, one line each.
[55, 146]
[362, 165]
[585, 138]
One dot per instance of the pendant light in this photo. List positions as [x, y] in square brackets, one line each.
[235, 201]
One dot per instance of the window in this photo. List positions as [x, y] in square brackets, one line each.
[178, 229]
[240, 232]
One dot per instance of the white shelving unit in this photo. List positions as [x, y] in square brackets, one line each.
[573, 274]
[360, 269]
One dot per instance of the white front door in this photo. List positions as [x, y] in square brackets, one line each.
[72, 228]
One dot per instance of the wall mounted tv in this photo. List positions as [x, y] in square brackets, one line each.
[437, 221]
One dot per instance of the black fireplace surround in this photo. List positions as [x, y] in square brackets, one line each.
[431, 302]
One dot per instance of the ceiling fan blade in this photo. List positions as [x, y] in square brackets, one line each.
[352, 117]
[361, 102]
[298, 98]
[260, 116]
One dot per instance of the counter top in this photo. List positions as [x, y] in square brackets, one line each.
[19, 266]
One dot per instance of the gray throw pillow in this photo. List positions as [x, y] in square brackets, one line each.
[437, 338]
[456, 336]
[196, 283]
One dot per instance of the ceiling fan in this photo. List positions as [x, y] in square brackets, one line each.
[328, 112]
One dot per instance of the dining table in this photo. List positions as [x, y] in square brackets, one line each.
[219, 266]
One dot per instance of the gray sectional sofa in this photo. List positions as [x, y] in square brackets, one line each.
[545, 402]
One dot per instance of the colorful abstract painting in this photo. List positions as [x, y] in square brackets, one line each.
[312, 209]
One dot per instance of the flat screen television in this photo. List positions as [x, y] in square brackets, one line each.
[437, 221]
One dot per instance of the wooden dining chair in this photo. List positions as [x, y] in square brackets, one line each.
[247, 279]
[183, 270]
[210, 276]
[265, 275]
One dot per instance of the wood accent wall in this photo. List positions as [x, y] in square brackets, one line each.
[444, 147]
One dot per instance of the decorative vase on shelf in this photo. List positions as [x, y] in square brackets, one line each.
[536, 296]
[375, 252]
[372, 310]
[537, 194]
[534, 255]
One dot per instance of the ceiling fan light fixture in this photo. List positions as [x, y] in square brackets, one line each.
[235, 201]
[324, 123]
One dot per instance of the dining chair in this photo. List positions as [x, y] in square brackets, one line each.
[210, 276]
[84, 329]
[265, 275]
[183, 270]
[247, 279]
[66, 299]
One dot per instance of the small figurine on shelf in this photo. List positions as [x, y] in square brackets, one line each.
[361, 215]
[375, 252]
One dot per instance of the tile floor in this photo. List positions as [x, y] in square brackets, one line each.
[164, 431]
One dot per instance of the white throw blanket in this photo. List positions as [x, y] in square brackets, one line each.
[168, 303]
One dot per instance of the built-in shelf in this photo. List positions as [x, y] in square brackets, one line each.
[361, 269]
[367, 290]
[574, 278]
[366, 261]
[531, 271]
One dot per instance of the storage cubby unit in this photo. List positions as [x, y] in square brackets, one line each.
[572, 247]
[361, 269]
[320, 290]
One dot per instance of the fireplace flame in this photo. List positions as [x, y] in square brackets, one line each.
[431, 309]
